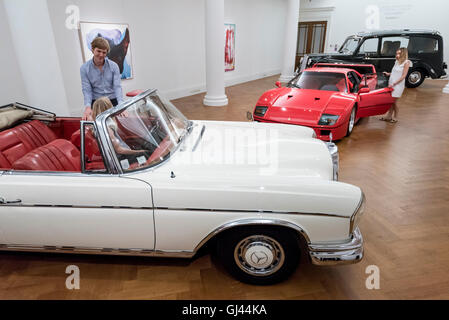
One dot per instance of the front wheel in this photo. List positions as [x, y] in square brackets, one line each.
[415, 78]
[259, 255]
[351, 121]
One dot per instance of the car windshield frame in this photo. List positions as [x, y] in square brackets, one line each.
[345, 50]
[162, 112]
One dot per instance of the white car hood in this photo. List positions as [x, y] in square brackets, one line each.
[300, 180]
[247, 149]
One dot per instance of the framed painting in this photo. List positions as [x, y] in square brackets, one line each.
[119, 39]
[229, 47]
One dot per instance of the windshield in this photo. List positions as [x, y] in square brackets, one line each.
[349, 45]
[145, 133]
[326, 81]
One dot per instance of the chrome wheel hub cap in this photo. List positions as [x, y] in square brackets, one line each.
[259, 255]
[414, 77]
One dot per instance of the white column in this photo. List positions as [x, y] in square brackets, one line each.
[215, 95]
[446, 88]
[35, 48]
[290, 39]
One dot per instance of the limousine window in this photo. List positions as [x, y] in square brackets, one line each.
[369, 45]
[423, 45]
[391, 44]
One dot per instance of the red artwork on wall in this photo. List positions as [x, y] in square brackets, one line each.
[229, 47]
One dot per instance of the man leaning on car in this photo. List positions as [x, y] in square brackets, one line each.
[100, 77]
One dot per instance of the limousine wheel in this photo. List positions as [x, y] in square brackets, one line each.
[415, 78]
[259, 255]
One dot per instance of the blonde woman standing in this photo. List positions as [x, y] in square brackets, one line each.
[397, 82]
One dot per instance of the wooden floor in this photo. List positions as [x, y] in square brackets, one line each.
[403, 169]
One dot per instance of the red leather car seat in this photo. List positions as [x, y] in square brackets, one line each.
[58, 155]
[91, 149]
[18, 141]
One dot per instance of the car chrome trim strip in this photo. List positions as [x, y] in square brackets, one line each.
[253, 211]
[345, 253]
[172, 209]
[71, 206]
[250, 222]
[102, 251]
[375, 58]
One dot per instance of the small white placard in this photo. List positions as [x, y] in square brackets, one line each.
[125, 164]
[141, 160]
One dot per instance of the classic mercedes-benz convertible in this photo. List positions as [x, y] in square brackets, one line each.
[164, 189]
[330, 98]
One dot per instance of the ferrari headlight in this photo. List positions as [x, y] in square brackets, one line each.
[260, 111]
[328, 120]
[357, 214]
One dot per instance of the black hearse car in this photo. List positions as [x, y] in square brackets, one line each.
[378, 48]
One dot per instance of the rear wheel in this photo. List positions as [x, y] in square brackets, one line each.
[259, 255]
[351, 121]
[415, 78]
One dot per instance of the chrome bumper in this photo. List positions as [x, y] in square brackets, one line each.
[343, 253]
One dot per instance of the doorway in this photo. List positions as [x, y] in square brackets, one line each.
[311, 38]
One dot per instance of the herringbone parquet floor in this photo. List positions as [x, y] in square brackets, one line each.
[404, 170]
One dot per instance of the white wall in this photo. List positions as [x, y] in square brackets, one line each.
[259, 38]
[34, 46]
[12, 87]
[168, 42]
[349, 17]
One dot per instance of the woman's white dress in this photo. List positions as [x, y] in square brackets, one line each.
[396, 74]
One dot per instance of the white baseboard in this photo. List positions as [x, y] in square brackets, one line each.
[200, 88]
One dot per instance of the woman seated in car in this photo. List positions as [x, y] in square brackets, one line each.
[102, 104]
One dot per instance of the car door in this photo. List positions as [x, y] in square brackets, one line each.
[85, 211]
[374, 102]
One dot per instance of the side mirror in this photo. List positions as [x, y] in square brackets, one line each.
[249, 116]
[364, 90]
[278, 84]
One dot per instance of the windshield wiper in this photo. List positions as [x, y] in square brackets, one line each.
[199, 138]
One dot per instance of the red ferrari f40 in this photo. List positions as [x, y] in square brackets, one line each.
[330, 98]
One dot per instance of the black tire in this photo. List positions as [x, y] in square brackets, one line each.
[415, 78]
[259, 255]
[351, 121]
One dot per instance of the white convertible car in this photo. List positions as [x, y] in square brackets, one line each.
[143, 180]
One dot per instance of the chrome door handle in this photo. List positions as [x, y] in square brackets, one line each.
[3, 201]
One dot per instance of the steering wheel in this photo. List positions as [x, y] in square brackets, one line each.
[160, 150]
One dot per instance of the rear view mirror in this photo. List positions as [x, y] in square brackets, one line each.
[278, 84]
[364, 90]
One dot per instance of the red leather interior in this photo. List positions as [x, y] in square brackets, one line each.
[18, 141]
[58, 155]
[91, 149]
[64, 127]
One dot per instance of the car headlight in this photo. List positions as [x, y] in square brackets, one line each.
[357, 214]
[328, 120]
[260, 111]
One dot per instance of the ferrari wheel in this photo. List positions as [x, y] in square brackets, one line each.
[351, 122]
[259, 255]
